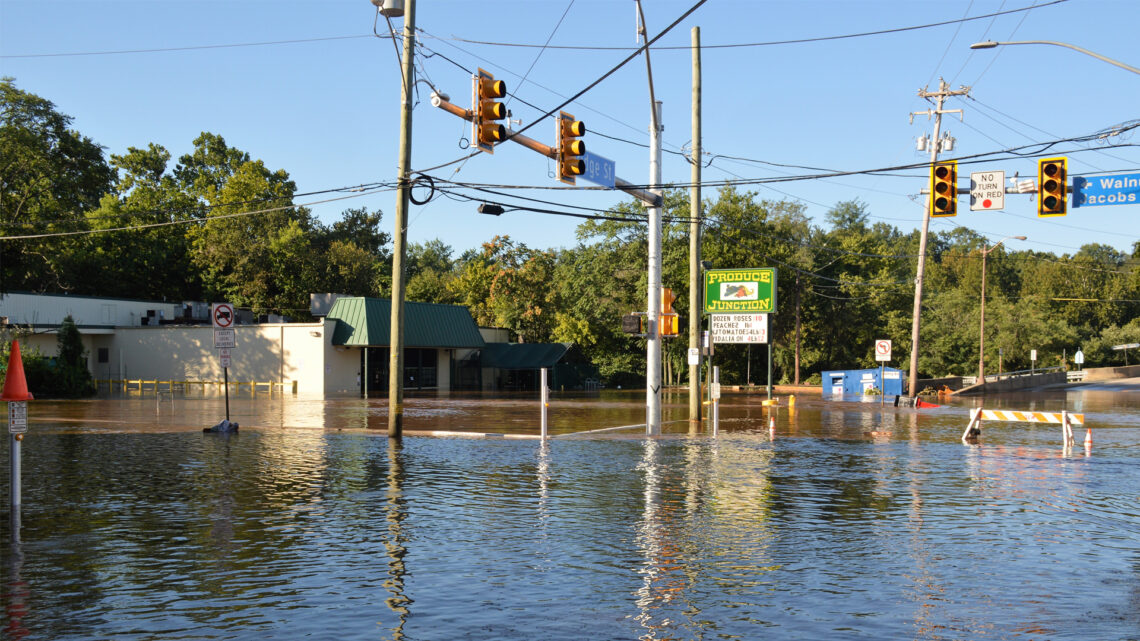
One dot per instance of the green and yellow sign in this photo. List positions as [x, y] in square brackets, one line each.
[740, 290]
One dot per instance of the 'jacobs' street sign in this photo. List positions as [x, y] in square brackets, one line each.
[740, 290]
[1118, 189]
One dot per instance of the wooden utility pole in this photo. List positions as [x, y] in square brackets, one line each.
[940, 96]
[399, 240]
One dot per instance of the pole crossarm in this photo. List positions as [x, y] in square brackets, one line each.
[649, 198]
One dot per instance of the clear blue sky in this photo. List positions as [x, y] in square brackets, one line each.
[325, 106]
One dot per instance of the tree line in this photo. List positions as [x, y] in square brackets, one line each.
[218, 224]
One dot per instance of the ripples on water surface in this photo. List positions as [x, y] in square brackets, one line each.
[825, 531]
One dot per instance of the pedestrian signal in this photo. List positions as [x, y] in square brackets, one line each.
[668, 322]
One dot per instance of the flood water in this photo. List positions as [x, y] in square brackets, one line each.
[850, 520]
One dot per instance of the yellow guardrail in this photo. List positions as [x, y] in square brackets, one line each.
[144, 385]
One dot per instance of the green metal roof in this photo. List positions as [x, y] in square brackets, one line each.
[364, 322]
[523, 355]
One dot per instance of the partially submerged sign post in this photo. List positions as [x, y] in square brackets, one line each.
[17, 394]
[225, 339]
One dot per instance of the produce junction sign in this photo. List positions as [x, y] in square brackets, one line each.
[729, 291]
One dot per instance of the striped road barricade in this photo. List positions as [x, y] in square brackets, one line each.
[1065, 419]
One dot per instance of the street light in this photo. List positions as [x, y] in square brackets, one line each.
[982, 332]
[991, 44]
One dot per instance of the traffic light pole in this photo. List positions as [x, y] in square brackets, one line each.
[440, 102]
[653, 339]
[940, 96]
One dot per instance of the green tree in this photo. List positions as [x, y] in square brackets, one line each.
[254, 247]
[67, 376]
[150, 257]
[49, 175]
[430, 272]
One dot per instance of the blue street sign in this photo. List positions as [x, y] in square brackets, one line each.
[599, 171]
[1120, 189]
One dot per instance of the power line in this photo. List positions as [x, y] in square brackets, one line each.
[187, 48]
[87, 232]
[775, 42]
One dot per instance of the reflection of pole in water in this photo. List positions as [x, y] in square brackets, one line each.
[394, 544]
[16, 590]
[662, 576]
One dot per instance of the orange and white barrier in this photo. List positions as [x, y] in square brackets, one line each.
[1065, 419]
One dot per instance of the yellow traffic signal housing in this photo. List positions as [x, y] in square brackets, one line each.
[944, 188]
[486, 109]
[668, 324]
[571, 150]
[1052, 181]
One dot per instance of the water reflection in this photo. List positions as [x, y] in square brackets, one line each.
[853, 521]
[396, 513]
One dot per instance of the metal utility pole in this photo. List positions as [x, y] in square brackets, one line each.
[399, 240]
[939, 96]
[653, 347]
[653, 315]
[695, 240]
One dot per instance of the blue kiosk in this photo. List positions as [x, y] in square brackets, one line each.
[855, 382]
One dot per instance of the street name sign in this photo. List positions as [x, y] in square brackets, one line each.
[883, 350]
[1093, 191]
[739, 328]
[740, 290]
[987, 190]
[599, 170]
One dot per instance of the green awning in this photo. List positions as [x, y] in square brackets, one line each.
[523, 355]
[366, 322]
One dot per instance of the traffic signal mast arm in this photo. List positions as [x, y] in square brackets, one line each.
[646, 197]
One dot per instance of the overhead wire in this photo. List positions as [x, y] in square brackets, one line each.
[599, 80]
[779, 42]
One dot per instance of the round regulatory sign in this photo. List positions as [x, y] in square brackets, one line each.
[223, 315]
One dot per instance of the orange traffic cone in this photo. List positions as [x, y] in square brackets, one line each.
[15, 385]
[1088, 436]
[772, 423]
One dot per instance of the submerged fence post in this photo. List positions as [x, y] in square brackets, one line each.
[544, 398]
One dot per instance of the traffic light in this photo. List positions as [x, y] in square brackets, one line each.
[668, 320]
[570, 148]
[1052, 180]
[944, 188]
[486, 109]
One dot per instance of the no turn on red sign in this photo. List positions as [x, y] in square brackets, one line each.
[987, 190]
[882, 350]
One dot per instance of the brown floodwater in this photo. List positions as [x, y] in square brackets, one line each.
[850, 519]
